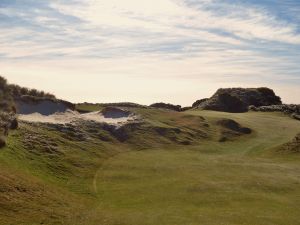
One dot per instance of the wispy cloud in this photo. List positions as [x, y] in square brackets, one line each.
[241, 42]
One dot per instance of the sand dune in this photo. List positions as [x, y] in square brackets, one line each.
[72, 116]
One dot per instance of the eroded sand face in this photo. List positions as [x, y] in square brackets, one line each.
[44, 107]
[72, 117]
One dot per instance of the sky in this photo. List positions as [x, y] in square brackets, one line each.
[174, 51]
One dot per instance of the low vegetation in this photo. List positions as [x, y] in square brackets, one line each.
[292, 146]
[168, 106]
[6, 98]
[290, 109]
[198, 102]
[10, 92]
[18, 92]
[238, 99]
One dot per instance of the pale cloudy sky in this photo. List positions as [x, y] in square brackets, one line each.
[145, 51]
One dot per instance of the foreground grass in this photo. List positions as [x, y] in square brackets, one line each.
[241, 181]
[190, 187]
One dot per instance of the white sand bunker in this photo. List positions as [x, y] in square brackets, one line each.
[109, 116]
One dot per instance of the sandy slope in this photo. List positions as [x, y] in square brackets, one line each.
[72, 116]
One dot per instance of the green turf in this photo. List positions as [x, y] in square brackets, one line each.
[153, 179]
[87, 107]
[188, 187]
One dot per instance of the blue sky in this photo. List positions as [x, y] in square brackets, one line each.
[147, 51]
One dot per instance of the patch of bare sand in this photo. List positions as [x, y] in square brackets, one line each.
[72, 117]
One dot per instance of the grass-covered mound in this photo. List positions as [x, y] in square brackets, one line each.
[21, 100]
[238, 99]
[231, 129]
[292, 146]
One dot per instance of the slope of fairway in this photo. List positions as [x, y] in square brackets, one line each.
[170, 169]
[188, 187]
[213, 183]
[269, 130]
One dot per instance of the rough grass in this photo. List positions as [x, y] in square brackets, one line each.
[153, 178]
[25, 199]
[291, 147]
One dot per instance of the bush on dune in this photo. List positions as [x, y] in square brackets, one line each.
[2, 141]
[239, 99]
[17, 92]
[168, 106]
[7, 122]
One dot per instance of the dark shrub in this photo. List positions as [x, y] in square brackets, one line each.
[14, 124]
[186, 108]
[232, 103]
[239, 99]
[114, 112]
[2, 142]
[266, 91]
[198, 102]
[162, 105]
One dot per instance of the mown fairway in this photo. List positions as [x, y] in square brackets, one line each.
[208, 184]
[188, 187]
[242, 181]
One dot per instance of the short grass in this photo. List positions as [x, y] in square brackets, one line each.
[241, 181]
[87, 107]
[269, 130]
[189, 187]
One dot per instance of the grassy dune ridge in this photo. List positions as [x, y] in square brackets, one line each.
[171, 169]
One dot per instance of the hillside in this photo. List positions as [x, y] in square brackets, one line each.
[171, 168]
[124, 163]
[20, 100]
